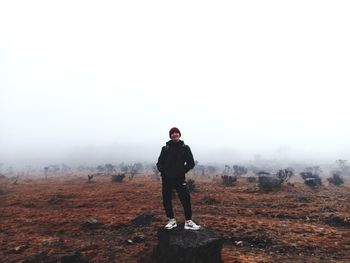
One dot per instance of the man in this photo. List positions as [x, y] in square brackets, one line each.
[174, 161]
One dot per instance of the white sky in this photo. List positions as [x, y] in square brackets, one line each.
[238, 78]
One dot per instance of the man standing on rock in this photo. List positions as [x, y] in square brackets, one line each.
[174, 161]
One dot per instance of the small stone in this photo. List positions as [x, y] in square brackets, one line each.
[91, 221]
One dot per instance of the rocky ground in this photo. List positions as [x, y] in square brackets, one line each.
[66, 218]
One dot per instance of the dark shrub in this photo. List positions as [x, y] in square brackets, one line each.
[336, 179]
[239, 170]
[311, 179]
[190, 185]
[263, 173]
[268, 183]
[251, 179]
[285, 174]
[228, 180]
[118, 177]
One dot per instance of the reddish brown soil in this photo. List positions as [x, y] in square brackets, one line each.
[50, 216]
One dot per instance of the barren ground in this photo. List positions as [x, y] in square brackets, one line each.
[50, 217]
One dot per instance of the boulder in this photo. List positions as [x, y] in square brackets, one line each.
[179, 246]
[142, 220]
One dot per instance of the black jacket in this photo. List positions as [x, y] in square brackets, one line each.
[175, 160]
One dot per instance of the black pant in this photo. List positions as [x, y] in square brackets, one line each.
[179, 184]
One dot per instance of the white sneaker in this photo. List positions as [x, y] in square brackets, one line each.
[189, 224]
[171, 224]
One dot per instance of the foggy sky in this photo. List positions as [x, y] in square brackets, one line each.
[89, 82]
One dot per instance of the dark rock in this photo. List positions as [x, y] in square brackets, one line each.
[20, 249]
[337, 221]
[129, 242]
[327, 209]
[118, 226]
[75, 258]
[29, 205]
[207, 200]
[40, 258]
[91, 223]
[138, 238]
[182, 246]
[258, 239]
[56, 199]
[301, 198]
[142, 220]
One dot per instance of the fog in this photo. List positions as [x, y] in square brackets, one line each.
[87, 82]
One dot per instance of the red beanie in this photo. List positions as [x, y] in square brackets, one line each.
[172, 130]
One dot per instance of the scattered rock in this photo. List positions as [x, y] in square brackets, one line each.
[20, 248]
[337, 221]
[327, 209]
[301, 198]
[40, 258]
[142, 220]
[74, 258]
[91, 223]
[118, 226]
[29, 205]
[56, 199]
[139, 238]
[129, 241]
[43, 257]
[239, 243]
[255, 239]
[207, 200]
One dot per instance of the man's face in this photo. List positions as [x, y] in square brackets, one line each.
[175, 136]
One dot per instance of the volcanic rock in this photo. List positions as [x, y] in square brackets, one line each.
[179, 246]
